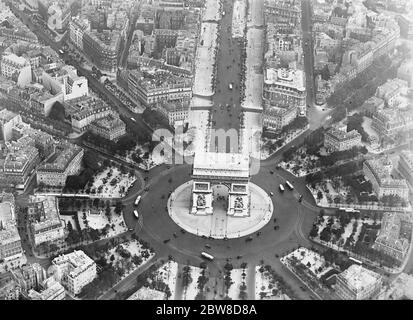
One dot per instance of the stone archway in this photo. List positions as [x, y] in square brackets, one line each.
[220, 222]
[220, 192]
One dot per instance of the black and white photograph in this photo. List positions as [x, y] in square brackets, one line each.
[209, 156]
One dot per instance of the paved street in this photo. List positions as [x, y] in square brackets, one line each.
[308, 50]
[227, 103]
[294, 221]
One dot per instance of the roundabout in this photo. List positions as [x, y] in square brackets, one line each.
[292, 219]
[218, 224]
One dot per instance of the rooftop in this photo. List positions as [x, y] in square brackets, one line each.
[45, 212]
[109, 122]
[153, 78]
[292, 78]
[65, 153]
[11, 57]
[146, 293]
[343, 135]
[76, 262]
[391, 235]
[221, 164]
[6, 115]
[359, 278]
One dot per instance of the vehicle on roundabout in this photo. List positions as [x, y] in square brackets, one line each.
[207, 256]
[138, 199]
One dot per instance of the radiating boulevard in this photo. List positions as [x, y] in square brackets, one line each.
[227, 104]
[293, 219]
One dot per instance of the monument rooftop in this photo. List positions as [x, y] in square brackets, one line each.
[222, 164]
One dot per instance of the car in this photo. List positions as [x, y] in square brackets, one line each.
[207, 246]
[300, 198]
[248, 239]
[271, 193]
[276, 228]
[131, 229]
[166, 241]
[272, 172]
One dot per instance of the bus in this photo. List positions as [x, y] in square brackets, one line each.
[136, 214]
[356, 261]
[349, 210]
[289, 185]
[137, 200]
[207, 256]
[281, 188]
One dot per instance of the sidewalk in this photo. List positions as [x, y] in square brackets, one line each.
[294, 136]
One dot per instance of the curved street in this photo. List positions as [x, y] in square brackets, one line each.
[155, 226]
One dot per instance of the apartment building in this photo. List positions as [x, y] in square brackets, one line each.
[286, 10]
[338, 139]
[66, 161]
[74, 270]
[394, 235]
[18, 160]
[392, 90]
[358, 283]
[52, 290]
[285, 87]
[177, 112]
[10, 242]
[85, 110]
[110, 127]
[45, 219]
[16, 68]
[152, 85]
[103, 48]
[378, 172]
[8, 120]
[77, 28]
[276, 117]
[389, 122]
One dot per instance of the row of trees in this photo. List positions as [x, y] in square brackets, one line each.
[155, 119]
[296, 124]
[354, 93]
[355, 122]
[337, 156]
[336, 171]
[202, 281]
